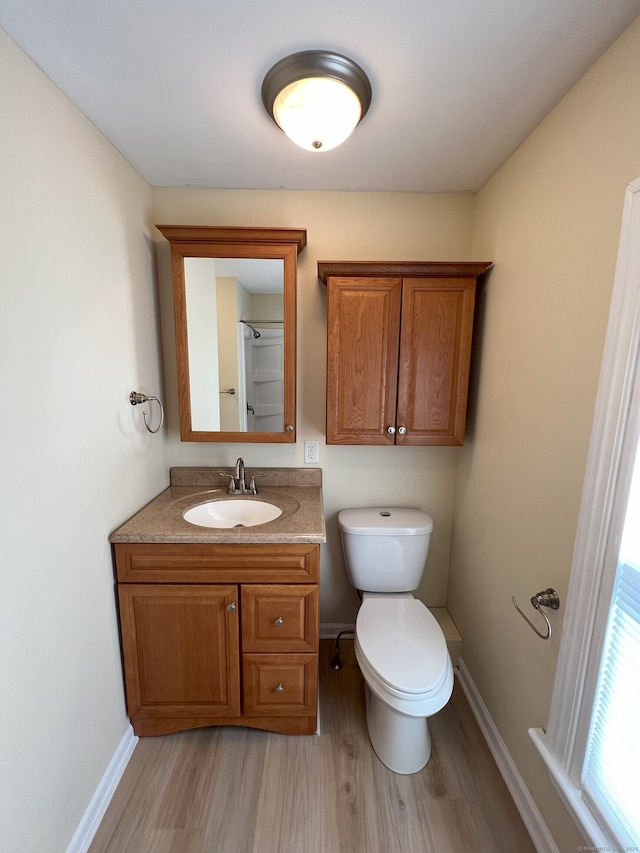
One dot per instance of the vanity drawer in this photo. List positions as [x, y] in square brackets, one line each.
[278, 618]
[280, 685]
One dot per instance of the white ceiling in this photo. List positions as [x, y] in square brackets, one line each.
[457, 84]
[256, 275]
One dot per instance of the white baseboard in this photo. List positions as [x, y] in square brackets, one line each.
[330, 630]
[524, 802]
[88, 826]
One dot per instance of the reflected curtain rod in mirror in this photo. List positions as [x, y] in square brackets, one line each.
[221, 275]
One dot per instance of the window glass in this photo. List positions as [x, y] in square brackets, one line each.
[612, 762]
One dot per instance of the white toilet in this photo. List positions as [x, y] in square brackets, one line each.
[399, 645]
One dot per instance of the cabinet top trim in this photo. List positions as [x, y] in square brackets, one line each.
[230, 234]
[401, 268]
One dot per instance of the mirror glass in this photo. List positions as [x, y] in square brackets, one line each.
[235, 336]
[235, 323]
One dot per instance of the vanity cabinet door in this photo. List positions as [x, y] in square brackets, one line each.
[181, 651]
[279, 618]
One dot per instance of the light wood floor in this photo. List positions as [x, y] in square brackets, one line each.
[234, 790]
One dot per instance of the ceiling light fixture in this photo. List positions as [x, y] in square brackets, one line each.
[316, 97]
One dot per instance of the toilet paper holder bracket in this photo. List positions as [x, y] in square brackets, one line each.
[546, 598]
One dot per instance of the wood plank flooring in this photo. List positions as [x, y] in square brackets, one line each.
[234, 790]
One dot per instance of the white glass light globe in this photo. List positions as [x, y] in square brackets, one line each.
[317, 113]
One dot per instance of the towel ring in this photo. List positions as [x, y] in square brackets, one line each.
[135, 398]
[546, 598]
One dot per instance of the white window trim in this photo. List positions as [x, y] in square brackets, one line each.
[607, 478]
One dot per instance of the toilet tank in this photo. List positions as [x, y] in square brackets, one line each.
[385, 548]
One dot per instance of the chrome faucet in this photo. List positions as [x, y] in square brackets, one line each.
[237, 480]
[239, 476]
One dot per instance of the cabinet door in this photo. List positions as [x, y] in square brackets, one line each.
[362, 359]
[279, 618]
[180, 649]
[435, 351]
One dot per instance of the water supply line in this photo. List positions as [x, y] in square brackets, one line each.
[336, 661]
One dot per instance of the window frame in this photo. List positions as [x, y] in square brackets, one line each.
[614, 439]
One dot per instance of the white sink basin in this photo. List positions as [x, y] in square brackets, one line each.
[236, 513]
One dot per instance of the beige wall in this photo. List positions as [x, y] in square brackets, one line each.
[345, 226]
[78, 332]
[550, 220]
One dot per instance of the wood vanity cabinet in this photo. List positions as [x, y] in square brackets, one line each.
[398, 351]
[219, 635]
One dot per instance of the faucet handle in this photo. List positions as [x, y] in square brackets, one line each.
[252, 484]
[232, 481]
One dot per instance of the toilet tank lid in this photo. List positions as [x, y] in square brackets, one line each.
[385, 521]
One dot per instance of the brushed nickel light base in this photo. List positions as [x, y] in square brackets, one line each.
[312, 65]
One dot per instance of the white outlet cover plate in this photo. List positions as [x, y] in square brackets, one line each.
[311, 452]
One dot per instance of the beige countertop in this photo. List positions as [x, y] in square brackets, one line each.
[297, 491]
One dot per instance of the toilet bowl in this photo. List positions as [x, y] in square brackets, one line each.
[403, 657]
[399, 645]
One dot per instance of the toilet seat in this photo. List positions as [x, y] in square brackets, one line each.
[403, 654]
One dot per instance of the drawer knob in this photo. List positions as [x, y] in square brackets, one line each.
[231, 607]
[279, 621]
[280, 688]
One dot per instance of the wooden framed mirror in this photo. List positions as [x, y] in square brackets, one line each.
[234, 304]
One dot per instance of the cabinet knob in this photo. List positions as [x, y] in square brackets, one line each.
[289, 428]
[231, 607]
[391, 430]
[279, 621]
[280, 688]
[402, 430]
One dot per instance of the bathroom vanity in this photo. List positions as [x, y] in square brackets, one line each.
[220, 626]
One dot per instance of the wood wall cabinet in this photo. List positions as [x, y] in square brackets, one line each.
[219, 635]
[398, 351]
